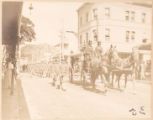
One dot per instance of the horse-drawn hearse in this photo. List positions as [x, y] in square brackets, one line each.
[88, 67]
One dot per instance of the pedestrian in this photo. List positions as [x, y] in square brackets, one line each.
[142, 70]
[9, 73]
[61, 69]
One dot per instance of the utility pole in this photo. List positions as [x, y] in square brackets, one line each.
[30, 8]
[60, 45]
[96, 24]
[61, 42]
[97, 28]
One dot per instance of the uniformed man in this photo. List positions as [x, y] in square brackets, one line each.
[98, 50]
[110, 54]
[89, 50]
[88, 54]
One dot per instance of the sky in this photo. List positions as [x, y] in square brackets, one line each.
[50, 18]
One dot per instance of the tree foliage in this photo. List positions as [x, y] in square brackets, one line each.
[27, 32]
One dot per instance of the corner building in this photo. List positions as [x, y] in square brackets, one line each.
[120, 24]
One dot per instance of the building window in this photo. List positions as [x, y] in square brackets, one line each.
[107, 34]
[143, 17]
[87, 17]
[127, 36]
[132, 15]
[127, 15]
[95, 13]
[80, 21]
[133, 35]
[107, 12]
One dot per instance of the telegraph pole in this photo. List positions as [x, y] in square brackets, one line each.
[61, 41]
[97, 28]
[61, 47]
[96, 25]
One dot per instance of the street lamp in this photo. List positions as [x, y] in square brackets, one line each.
[30, 8]
[74, 33]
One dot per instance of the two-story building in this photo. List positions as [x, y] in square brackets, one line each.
[122, 25]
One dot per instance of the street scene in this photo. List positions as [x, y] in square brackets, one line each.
[76, 60]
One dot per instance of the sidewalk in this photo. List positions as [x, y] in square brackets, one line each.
[14, 106]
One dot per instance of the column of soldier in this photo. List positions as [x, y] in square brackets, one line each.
[55, 71]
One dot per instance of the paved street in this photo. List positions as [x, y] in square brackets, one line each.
[45, 102]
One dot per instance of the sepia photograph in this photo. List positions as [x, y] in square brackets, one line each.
[76, 60]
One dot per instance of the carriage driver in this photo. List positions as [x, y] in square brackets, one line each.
[88, 49]
[87, 53]
[99, 50]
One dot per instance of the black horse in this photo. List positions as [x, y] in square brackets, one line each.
[93, 67]
[126, 67]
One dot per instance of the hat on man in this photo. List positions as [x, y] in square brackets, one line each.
[99, 43]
